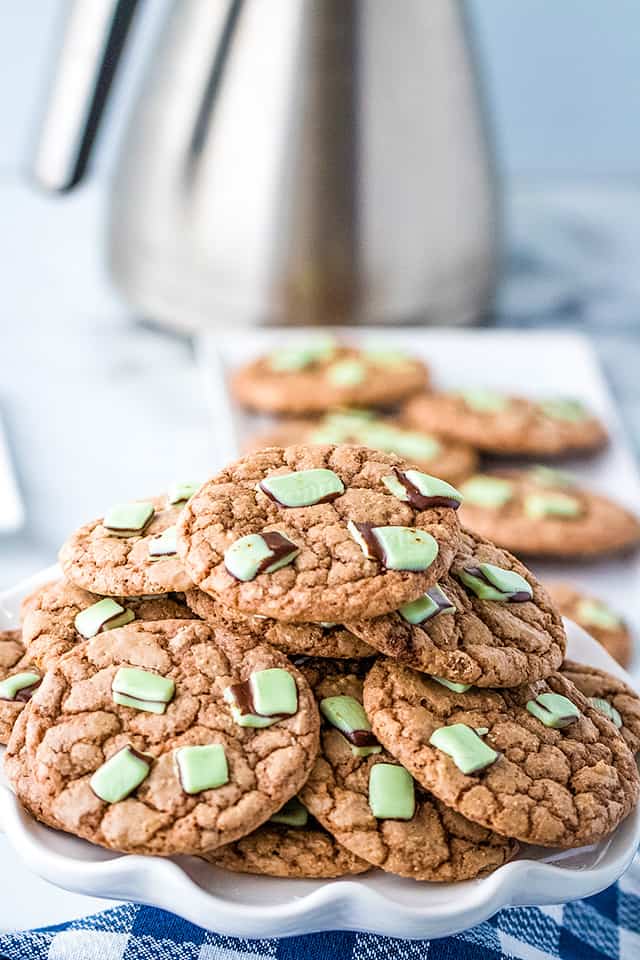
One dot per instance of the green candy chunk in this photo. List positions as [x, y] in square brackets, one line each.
[181, 491]
[596, 614]
[120, 775]
[562, 409]
[347, 373]
[250, 719]
[553, 710]
[484, 491]
[201, 768]
[128, 519]
[142, 690]
[469, 753]
[383, 356]
[490, 582]
[164, 545]
[434, 602]
[274, 692]
[607, 709]
[104, 615]
[397, 548]
[451, 685]
[300, 356]
[409, 444]
[293, 814]
[347, 715]
[303, 488]
[538, 505]
[485, 401]
[550, 477]
[391, 792]
[250, 555]
[482, 731]
[11, 686]
[328, 624]
[420, 488]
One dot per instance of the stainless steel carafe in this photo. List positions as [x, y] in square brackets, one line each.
[289, 161]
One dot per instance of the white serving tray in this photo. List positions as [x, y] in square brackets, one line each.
[247, 906]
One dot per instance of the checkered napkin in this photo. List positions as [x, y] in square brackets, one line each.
[604, 926]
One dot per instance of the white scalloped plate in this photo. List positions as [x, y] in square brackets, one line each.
[248, 906]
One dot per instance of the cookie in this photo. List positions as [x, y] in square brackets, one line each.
[541, 512]
[537, 762]
[308, 639]
[437, 455]
[130, 552]
[320, 533]
[455, 634]
[18, 680]
[602, 623]
[503, 424]
[321, 374]
[306, 851]
[618, 701]
[153, 738]
[373, 808]
[53, 623]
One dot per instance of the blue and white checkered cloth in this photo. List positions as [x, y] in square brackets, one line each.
[604, 927]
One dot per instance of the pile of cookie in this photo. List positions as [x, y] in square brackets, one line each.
[306, 667]
[325, 391]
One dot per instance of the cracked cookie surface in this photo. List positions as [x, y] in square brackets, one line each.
[330, 579]
[308, 639]
[48, 628]
[615, 637]
[437, 844]
[553, 787]
[74, 726]
[487, 643]
[121, 566]
[520, 427]
[594, 682]
[13, 659]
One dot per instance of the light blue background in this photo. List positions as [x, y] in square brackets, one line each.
[563, 81]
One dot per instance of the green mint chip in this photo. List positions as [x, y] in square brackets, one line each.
[485, 401]
[563, 409]
[299, 356]
[383, 356]
[128, 519]
[142, 690]
[303, 488]
[452, 685]
[607, 709]
[405, 548]
[258, 553]
[469, 753]
[553, 710]
[201, 768]
[10, 687]
[347, 373]
[490, 582]
[538, 505]
[181, 491]
[596, 614]
[485, 491]
[347, 715]
[434, 602]
[120, 775]
[293, 814]
[391, 792]
[274, 692]
[106, 614]
[550, 477]
[165, 544]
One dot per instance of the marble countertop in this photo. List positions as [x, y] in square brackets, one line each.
[99, 406]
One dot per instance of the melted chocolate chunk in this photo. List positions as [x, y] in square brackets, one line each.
[280, 547]
[418, 500]
[243, 699]
[374, 546]
[24, 695]
[361, 738]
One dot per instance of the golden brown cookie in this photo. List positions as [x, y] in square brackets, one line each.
[49, 625]
[308, 639]
[541, 512]
[502, 424]
[454, 634]
[601, 689]
[104, 765]
[605, 626]
[437, 455]
[122, 564]
[435, 843]
[19, 677]
[322, 374]
[558, 787]
[322, 560]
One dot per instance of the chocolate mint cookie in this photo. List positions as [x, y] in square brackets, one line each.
[308, 639]
[129, 552]
[602, 623]
[371, 804]
[320, 533]
[154, 738]
[467, 631]
[537, 762]
[613, 697]
[18, 680]
[321, 374]
[503, 424]
[60, 615]
[542, 512]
